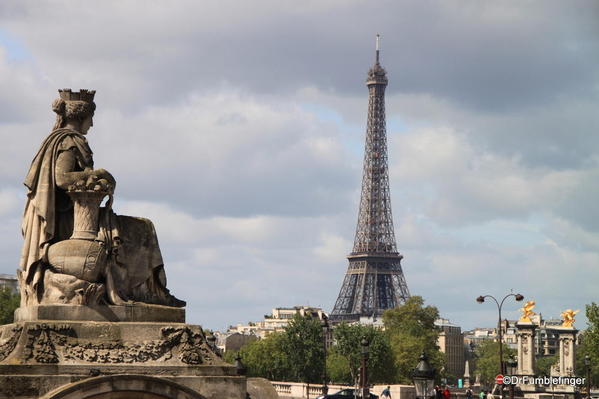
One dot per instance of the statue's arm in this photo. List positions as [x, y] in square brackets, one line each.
[66, 175]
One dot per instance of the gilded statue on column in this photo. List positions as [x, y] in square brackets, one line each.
[568, 317]
[527, 312]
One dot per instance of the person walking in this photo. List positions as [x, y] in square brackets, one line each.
[468, 393]
[438, 392]
[386, 394]
[446, 393]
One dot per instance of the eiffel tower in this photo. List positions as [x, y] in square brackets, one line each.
[374, 280]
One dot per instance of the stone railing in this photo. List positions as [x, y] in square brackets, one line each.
[299, 390]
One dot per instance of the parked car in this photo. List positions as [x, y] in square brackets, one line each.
[347, 393]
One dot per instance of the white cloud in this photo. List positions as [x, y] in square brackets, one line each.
[470, 185]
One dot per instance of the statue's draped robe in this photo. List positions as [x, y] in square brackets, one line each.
[136, 262]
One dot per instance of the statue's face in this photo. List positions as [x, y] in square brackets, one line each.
[86, 124]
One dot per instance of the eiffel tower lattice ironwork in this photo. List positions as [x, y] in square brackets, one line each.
[374, 280]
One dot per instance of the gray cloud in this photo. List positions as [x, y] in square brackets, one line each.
[238, 128]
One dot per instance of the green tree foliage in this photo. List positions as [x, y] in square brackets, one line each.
[411, 328]
[296, 354]
[590, 345]
[265, 358]
[487, 362]
[8, 303]
[381, 367]
[338, 370]
[303, 344]
[543, 364]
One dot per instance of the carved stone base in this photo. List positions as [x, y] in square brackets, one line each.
[130, 313]
[54, 360]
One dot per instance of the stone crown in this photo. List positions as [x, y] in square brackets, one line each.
[82, 95]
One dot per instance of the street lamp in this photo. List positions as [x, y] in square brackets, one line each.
[424, 378]
[512, 363]
[587, 363]
[364, 373]
[325, 333]
[239, 367]
[481, 299]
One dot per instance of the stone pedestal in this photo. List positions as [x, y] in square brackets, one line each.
[147, 350]
[526, 354]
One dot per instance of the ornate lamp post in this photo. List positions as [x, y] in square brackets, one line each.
[481, 299]
[587, 363]
[512, 364]
[325, 333]
[363, 371]
[424, 378]
[239, 367]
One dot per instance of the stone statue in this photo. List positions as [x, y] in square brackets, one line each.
[568, 317]
[527, 312]
[76, 252]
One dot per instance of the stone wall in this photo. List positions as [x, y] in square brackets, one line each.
[300, 390]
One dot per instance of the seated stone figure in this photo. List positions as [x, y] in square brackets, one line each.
[76, 252]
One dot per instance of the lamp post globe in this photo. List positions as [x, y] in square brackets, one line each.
[424, 378]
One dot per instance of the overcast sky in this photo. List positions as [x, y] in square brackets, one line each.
[238, 128]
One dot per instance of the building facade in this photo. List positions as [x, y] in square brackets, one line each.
[10, 282]
[276, 321]
[451, 342]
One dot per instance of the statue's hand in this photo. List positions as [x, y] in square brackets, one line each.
[104, 174]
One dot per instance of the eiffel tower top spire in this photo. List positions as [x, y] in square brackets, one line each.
[376, 74]
[374, 231]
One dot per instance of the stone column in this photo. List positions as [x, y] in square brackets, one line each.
[526, 353]
[567, 356]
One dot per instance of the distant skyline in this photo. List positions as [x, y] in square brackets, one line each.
[238, 128]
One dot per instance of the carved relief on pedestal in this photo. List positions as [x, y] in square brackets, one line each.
[42, 340]
[9, 344]
[53, 343]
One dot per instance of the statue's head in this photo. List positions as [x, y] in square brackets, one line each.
[75, 109]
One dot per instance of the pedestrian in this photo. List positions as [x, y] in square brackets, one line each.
[438, 392]
[386, 394]
[482, 394]
[468, 393]
[446, 393]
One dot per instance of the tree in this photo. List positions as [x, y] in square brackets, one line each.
[338, 368]
[487, 363]
[589, 345]
[9, 302]
[543, 364]
[348, 347]
[296, 354]
[411, 328]
[265, 358]
[303, 344]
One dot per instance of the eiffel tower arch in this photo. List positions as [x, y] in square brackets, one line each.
[374, 280]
